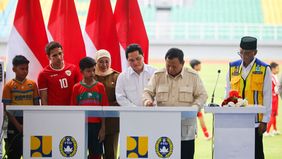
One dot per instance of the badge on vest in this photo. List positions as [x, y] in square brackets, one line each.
[257, 71]
[236, 72]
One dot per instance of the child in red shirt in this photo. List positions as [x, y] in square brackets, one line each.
[272, 123]
[196, 65]
[91, 92]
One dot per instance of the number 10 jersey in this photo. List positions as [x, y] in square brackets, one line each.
[58, 83]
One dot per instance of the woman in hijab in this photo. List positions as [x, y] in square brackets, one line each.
[105, 74]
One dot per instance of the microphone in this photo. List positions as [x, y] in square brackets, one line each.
[212, 104]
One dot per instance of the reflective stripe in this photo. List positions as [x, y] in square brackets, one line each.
[255, 96]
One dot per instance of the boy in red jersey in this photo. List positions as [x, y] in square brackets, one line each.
[56, 80]
[18, 91]
[275, 92]
[197, 66]
[91, 92]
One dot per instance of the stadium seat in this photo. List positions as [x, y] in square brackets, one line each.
[202, 19]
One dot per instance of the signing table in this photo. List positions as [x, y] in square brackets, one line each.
[61, 131]
[234, 131]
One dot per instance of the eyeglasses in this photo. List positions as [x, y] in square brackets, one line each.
[244, 52]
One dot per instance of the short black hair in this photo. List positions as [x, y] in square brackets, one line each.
[175, 53]
[194, 63]
[273, 65]
[52, 45]
[133, 47]
[19, 60]
[86, 62]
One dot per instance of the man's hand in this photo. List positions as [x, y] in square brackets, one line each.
[44, 97]
[262, 128]
[19, 127]
[101, 135]
[149, 103]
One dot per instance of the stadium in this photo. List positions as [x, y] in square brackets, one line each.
[207, 30]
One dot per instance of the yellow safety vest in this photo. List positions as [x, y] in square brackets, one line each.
[252, 87]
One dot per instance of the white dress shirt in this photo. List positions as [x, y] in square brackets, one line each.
[267, 88]
[130, 86]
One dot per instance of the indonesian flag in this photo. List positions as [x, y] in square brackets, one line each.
[28, 38]
[101, 32]
[130, 26]
[64, 28]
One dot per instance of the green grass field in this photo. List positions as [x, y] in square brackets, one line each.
[203, 147]
[272, 145]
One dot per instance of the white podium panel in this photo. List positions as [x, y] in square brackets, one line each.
[150, 135]
[61, 131]
[234, 131]
[234, 136]
[55, 134]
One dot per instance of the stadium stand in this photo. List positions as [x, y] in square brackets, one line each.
[200, 20]
[219, 11]
[272, 11]
[7, 9]
[223, 19]
[46, 9]
[149, 16]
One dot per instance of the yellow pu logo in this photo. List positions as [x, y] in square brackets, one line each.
[41, 146]
[137, 147]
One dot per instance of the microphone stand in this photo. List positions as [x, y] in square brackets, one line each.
[212, 104]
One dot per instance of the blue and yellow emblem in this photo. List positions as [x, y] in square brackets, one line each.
[164, 147]
[137, 147]
[68, 146]
[41, 146]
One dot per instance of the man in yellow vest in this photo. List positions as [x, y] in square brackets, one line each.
[252, 79]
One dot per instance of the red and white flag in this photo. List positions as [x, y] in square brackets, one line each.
[64, 28]
[130, 26]
[28, 38]
[101, 32]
